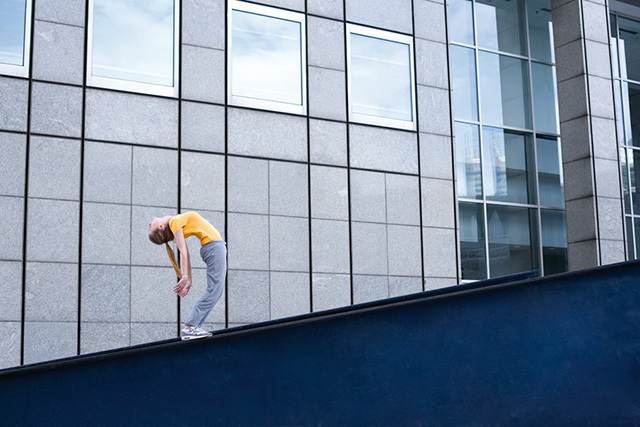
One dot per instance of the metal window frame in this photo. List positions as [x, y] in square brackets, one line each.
[265, 104]
[131, 86]
[389, 36]
[22, 70]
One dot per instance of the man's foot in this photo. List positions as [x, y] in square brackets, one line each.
[193, 332]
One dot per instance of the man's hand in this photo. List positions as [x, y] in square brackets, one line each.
[183, 286]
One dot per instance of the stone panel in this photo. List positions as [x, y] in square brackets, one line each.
[106, 294]
[155, 177]
[290, 294]
[399, 286]
[142, 333]
[203, 23]
[106, 233]
[440, 252]
[202, 181]
[248, 242]
[69, 12]
[395, 16]
[13, 108]
[12, 173]
[11, 288]
[249, 295]
[433, 110]
[328, 142]
[370, 288]
[331, 291]
[435, 156]
[329, 193]
[288, 189]
[403, 199]
[404, 250]
[58, 52]
[566, 28]
[581, 221]
[54, 168]
[203, 127]
[325, 43]
[383, 149]
[107, 173]
[56, 109]
[327, 95]
[430, 21]
[51, 292]
[438, 203]
[203, 74]
[9, 344]
[289, 243]
[152, 297]
[13, 219]
[369, 248]
[248, 185]
[431, 64]
[95, 337]
[329, 8]
[47, 221]
[143, 251]
[49, 340]
[330, 246]
[368, 196]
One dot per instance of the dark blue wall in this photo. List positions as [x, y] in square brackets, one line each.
[557, 350]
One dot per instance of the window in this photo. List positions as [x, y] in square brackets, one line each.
[15, 37]
[133, 45]
[381, 80]
[267, 67]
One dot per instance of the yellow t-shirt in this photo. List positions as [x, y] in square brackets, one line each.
[193, 224]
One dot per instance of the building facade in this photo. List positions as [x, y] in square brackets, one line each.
[347, 150]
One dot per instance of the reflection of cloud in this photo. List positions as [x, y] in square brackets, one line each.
[133, 40]
[12, 21]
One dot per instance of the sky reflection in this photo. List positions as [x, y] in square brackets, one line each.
[12, 25]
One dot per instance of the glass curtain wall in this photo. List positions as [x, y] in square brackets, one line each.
[625, 51]
[508, 163]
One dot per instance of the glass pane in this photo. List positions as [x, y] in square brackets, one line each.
[511, 248]
[554, 241]
[380, 78]
[550, 180]
[468, 165]
[630, 241]
[12, 22]
[632, 113]
[633, 158]
[133, 40]
[507, 164]
[504, 91]
[461, 21]
[540, 29]
[629, 48]
[472, 243]
[501, 25]
[465, 94]
[625, 180]
[545, 98]
[266, 58]
[617, 96]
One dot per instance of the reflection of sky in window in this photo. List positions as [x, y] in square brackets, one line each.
[500, 25]
[380, 78]
[468, 161]
[133, 40]
[266, 58]
[12, 21]
[504, 166]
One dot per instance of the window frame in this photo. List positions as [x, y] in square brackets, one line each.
[388, 36]
[131, 86]
[265, 104]
[22, 70]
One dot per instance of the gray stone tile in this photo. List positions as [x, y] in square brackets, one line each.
[203, 127]
[430, 21]
[612, 251]
[198, 288]
[12, 209]
[566, 26]
[249, 294]
[143, 251]
[58, 52]
[331, 291]
[601, 97]
[370, 288]
[383, 149]
[152, 297]
[100, 220]
[329, 8]
[330, 246]
[12, 174]
[107, 173]
[570, 60]
[327, 94]
[13, 108]
[395, 16]
[203, 23]
[51, 292]
[433, 110]
[576, 139]
[581, 183]
[610, 219]
[583, 255]
[608, 179]
[598, 59]
[54, 168]
[262, 134]
[142, 333]
[69, 12]
[288, 189]
[572, 98]
[9, 344]
[202, 181]
[581, 221]
[404, 250]
[46, 221]
[49, 340]
[56, 109]
[435, 156]
[431, 64]
[248, 185]
[403, 199]
[95, 337]
[106, 293]
[432, 283]
[369, 248]
[368, 198]
[290, 294]
[440, 257]
[248, 241]
[604, 138]
[203, 74]
[289, 243]
[325, 40]
[438, 203]
[11, 288]
[328, 142]
[126, 117]
[399, 286]
[155, 177]
[286, 4]
[594, 17]
[329, 193]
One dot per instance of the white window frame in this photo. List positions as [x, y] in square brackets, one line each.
[264, 104]
[389, 36]
[131, 86]
[22, 70]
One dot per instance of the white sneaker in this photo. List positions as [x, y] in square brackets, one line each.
[193, 332]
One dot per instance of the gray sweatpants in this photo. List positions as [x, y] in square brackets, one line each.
[214, 254]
